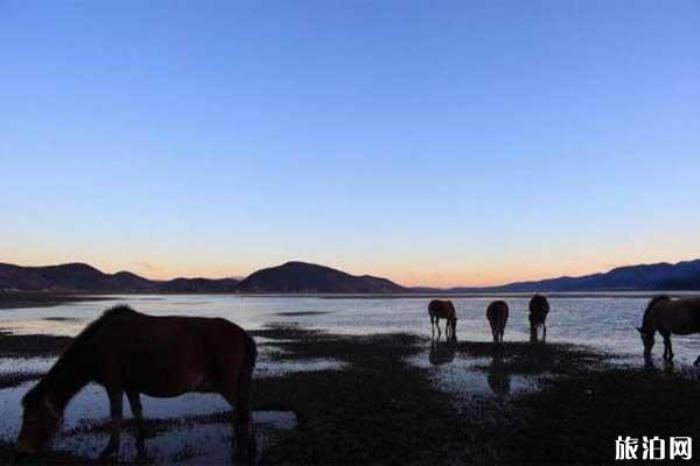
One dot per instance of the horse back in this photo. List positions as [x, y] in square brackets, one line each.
[539, 308]
[497, 313]
[441, 308]
[168, 355]
[680, 316]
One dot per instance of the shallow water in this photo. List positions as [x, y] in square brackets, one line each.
[187, 440]
[605, 322]
[469, 377]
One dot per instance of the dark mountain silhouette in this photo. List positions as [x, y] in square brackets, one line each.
[294, 277]
[74, 277]
[83, 278]
[646, 277]
[199, 285]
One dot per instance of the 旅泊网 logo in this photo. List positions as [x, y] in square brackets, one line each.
[653, 448]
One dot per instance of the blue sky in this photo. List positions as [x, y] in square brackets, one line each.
[436, 143]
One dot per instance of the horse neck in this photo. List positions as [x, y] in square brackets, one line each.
[647, 325]
[66, 379]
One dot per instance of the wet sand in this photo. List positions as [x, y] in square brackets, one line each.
[396, 398]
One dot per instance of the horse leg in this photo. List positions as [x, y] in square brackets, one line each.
[437, 322]
[237, 393]
[137, 410]
[668, 347]
[116, 398]
[544, 332]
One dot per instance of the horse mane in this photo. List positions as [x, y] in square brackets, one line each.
[76, 347]
[654, 301]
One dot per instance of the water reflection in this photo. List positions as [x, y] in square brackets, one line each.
[189, 428]
[606, 321]
[442, 353]
[498, 376]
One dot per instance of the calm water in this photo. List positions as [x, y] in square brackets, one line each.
[605, 322]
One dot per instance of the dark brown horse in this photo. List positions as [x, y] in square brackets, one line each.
[131, 353]
[497, 314]
[539, 308]
[439, 309]
[667, 316]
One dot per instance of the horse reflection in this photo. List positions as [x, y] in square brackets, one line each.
[669, 366]
[442, 353]
[498, 376]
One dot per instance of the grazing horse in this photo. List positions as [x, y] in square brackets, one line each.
[133, 353]
[667, 316]
[497, 314]
[539, 308]
[438, 309]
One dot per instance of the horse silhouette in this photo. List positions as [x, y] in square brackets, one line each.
[132, 353]
[669, 316]
[497, 314]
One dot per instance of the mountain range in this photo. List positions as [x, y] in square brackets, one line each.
[291, 277]
[83, 278]
[683, 275]
[302, 277]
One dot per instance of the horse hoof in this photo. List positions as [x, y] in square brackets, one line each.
[107, 454]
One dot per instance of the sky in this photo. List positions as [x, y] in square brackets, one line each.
[433, 142]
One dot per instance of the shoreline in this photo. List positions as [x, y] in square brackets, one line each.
[16, 300]
[379, 406]
[22, 300]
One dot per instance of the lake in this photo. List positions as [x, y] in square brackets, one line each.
[605, 322]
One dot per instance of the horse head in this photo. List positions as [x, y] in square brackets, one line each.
[39, 422]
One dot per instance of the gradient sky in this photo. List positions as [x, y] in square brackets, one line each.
[433, 142]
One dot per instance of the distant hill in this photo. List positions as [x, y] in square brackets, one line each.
[298, 277]
[646, 277]
[295, 277]
[199, 285]
[83, 278]
[291, 277]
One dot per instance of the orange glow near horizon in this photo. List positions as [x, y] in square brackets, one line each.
[407, 274]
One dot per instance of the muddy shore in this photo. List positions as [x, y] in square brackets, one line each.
[383, 407]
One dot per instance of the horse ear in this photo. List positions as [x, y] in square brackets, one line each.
[639, 329]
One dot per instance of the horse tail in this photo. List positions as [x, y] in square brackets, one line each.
[243, 424]
[653, 302]
[246, 375]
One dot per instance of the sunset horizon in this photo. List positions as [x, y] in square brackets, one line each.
[218, 140]
[330, 232]
[146, 271]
